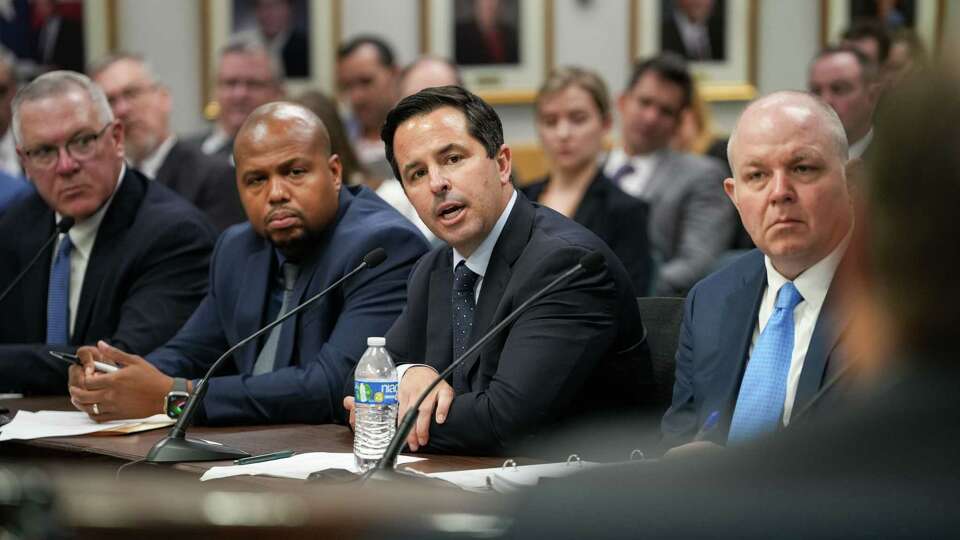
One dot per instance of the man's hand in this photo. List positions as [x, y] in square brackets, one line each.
[351, 406]
[415, 381]
[137, 390]
[692, 449]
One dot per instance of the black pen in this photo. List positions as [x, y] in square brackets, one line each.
[264, 457]
[75, 360]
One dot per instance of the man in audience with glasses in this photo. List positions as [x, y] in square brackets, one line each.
[129, 271]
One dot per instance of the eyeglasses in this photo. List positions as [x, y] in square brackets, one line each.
[81, 147]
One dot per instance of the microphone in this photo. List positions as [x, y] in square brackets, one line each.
[175, 447]
[590, 263]
[61, 228]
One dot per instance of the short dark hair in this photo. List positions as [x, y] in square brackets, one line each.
[483, 124]
[669, 66]
[868, 72]
[868, 28]
[384, 52]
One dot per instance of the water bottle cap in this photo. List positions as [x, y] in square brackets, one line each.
[376, 342]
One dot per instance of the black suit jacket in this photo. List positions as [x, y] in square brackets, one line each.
[618, 219]
[146, 274]
[578, 350]
[719, 319]
[671, 40]
[207, 182]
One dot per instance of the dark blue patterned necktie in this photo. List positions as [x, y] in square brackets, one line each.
[464, 304]
[58, 296]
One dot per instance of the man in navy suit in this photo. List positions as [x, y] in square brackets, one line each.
[132, 268]
[578, 352]
[305, 231]
[734, 362]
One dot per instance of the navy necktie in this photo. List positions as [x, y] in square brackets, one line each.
[58, 295]
[268, 354]
[464, 304]
[624, 170]
[764, 388]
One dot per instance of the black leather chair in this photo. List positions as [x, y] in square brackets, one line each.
[661, 322]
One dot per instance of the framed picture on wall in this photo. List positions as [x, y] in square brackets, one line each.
[503, 47]
[925, 17]
[717, 37]
[303, 36]
[48, 35]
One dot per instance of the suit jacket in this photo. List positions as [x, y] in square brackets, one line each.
[320, 349]
[11, 189]
[671, 40]
[618, 219]
[577, 351]
[207, 182]
[691, 219]
[146, 274]
[719, 319]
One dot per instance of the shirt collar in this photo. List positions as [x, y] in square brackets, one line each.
[812, 283]
[152, 163]
[858, 148]
[478, 261]
[83, 233]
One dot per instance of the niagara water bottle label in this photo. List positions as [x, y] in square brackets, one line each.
[375, 392]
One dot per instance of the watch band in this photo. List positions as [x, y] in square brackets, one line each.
[179, 385]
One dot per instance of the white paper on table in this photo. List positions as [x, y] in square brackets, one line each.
[505, 479]
[35, 425]
[297, 467]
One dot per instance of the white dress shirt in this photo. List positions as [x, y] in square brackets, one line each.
[152, 163]
[477, 262]
[635, 183]
[858, 148]
[812, 284]
[392, 192]
[9, 162]
[217, 139]
[82, 235]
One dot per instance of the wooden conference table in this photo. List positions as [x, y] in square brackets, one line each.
[151, 498]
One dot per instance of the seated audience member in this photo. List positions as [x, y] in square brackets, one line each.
[143, 106]
[428, 72]
[573, 117]
[367, 80]
[758, 337]
[304, 233]
[907, 56]
[870, 38]
[11, 189]
[354, 172]
[886, 467]
[578, 352]
[131, 269]
[9, 162]
[847, 81]
[248, 76]
[691, 223]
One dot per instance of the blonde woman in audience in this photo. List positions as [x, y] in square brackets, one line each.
[573, 118]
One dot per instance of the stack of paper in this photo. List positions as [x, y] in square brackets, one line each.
[297, 467]
[508, 479]
[35, 425]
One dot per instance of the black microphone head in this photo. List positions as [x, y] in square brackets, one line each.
[65, 224]
[375, 257]
[593, 262]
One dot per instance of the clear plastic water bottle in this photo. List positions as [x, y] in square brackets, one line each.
[375, 395]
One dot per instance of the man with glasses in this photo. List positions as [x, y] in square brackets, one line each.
[248, 77]
[143, 106]
[130, 270]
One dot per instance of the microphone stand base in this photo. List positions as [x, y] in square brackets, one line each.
[176, 450]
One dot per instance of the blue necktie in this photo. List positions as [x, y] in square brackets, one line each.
[464, 304]
[764, 388]
[58, 296]
[624, 170]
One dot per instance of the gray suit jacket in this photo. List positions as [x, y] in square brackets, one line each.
[691, 219]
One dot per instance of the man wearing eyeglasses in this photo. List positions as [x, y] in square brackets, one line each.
[248, 77]
[143, 106]
[131, 269]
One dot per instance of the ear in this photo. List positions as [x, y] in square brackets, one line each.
[504, 160]
[855, 171]
[730, 188]
[117, 135]
[336, 171]
[166, 100]
[621, 102]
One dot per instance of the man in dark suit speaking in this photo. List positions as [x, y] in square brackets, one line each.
[305, 231]
[579, 350]
[759, 337]
[132, 268]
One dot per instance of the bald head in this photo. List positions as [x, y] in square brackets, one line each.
[282, 120]
[797, 108]
[428, 72]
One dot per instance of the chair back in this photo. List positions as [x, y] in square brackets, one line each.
[661, 318]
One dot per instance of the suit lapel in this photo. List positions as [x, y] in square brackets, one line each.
[740, 310]
[30, 239]
[106, 249]
[165, 173]
[250, 306]
[439, 346]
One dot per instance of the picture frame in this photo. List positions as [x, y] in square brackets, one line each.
[511, 74]
[927, 20]
[726, 66]
[217, 19]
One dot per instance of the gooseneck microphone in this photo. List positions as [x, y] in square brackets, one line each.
[175, 447]
[590, 263]
[61, 228]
